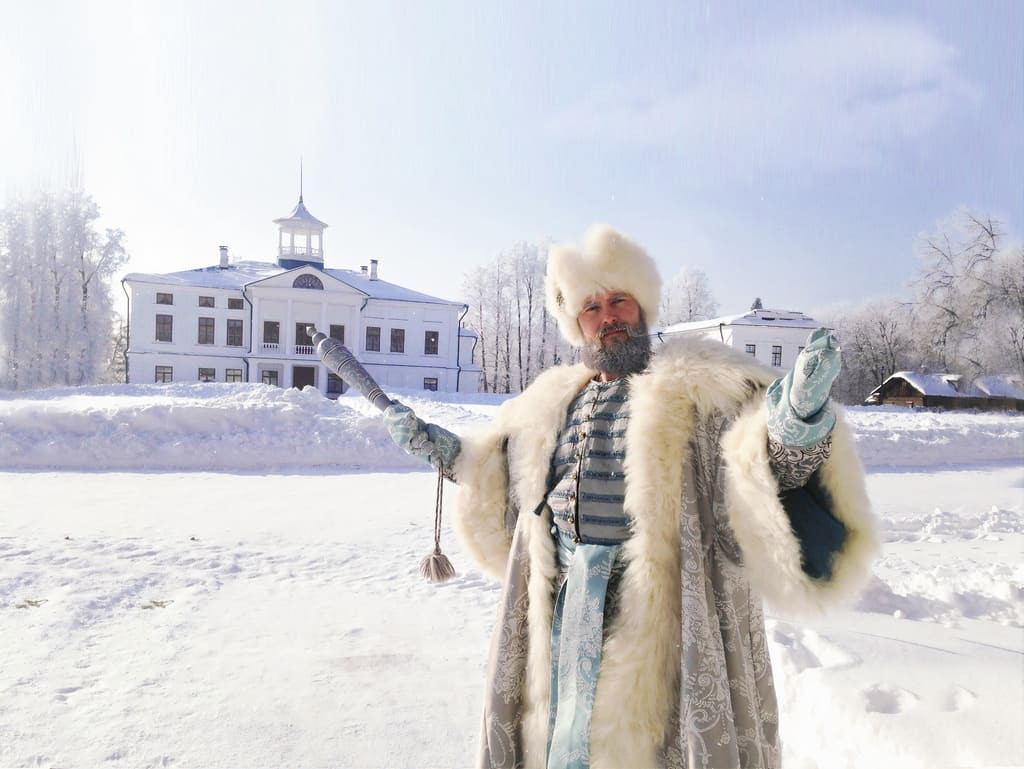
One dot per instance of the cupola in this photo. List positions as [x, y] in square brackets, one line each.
[300, 238]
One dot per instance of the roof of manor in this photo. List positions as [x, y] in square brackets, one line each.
[760, 317]
[240, 274]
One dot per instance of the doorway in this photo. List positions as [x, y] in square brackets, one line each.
[303, 375]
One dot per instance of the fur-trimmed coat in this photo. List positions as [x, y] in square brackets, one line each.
[685, 678]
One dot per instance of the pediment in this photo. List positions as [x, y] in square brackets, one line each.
[306, 279]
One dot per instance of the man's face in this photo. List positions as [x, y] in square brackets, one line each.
[615, 335]
[604, 315]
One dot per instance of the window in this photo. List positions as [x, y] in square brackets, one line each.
[430, 343]
[270, 378]
[164, 298]
[206, 301]
[164, 374]
[776, 354]
[334, 385]
[751, 349]
[234, 333]
[308, 281]
[398, 340]
[271, 332]
[302, 336]
[232, 375]
[164, 328]
[373, 338]
[338, 332]
[205, 331]
[207, 375]
[234, 304]
[430, 383]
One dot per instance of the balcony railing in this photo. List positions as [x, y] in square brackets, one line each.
[300, 251]
[271, 346]
[303, 349]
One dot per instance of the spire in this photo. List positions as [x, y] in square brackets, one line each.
[300, 178]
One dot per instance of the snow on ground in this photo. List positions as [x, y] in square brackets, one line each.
[225, 575]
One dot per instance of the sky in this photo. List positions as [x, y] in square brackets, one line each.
[793, 151]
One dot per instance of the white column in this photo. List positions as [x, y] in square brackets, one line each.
[324, 327]
[288, 333]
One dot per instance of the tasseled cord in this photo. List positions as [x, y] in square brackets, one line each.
[436, 567]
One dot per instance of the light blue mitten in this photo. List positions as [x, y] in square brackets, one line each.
[799, 411]
[427, 441]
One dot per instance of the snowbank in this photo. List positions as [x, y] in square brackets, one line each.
[255, 427]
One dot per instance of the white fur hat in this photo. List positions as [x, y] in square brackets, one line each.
[608, 261]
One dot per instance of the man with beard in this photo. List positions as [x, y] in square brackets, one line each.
[638, 507]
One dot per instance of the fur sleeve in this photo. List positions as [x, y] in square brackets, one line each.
[481, 516]
[771, 551]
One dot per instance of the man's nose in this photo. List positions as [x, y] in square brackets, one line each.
[610, 315]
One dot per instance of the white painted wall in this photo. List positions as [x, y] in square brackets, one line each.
[276, 300]
[763, 337]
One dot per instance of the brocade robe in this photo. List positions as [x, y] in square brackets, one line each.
[685, 678]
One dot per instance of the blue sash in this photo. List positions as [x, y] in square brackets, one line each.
[577, 633]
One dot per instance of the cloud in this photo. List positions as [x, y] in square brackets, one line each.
[823, 97]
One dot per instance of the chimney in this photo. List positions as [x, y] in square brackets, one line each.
[373, 269]
[363, 268]
[223, 257]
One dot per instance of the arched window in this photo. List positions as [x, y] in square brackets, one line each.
[308, 281]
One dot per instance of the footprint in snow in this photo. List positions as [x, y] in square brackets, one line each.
[888, 699]
[805, 649]
[956, 699]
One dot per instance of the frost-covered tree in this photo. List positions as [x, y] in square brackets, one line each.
[877, 339]
[117, 366]
[686, 297]
[967, 315]
[518, 338]
[959, 293]
[56, 309]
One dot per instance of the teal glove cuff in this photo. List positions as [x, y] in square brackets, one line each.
[427, 441]
[799, 411]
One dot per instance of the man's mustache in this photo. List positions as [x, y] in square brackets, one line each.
[611, 328]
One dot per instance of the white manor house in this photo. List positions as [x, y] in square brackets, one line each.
[245, 321]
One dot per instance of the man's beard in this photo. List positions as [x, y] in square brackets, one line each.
[619, 359]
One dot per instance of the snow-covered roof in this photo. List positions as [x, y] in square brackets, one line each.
[945, 385]
[235, 276]
[300, 214]
[930, 384]
[777, 318]
[381, 289]
[240, 274]
[1000, 386]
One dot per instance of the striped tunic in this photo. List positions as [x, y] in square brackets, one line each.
[588, 483]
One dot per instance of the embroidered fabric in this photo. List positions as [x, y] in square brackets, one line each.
[725, 712]
[799, 410]
[793, 466]
[577, 635]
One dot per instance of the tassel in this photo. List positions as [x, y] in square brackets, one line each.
[436, 567]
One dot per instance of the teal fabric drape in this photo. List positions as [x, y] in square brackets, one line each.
[577, 634]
